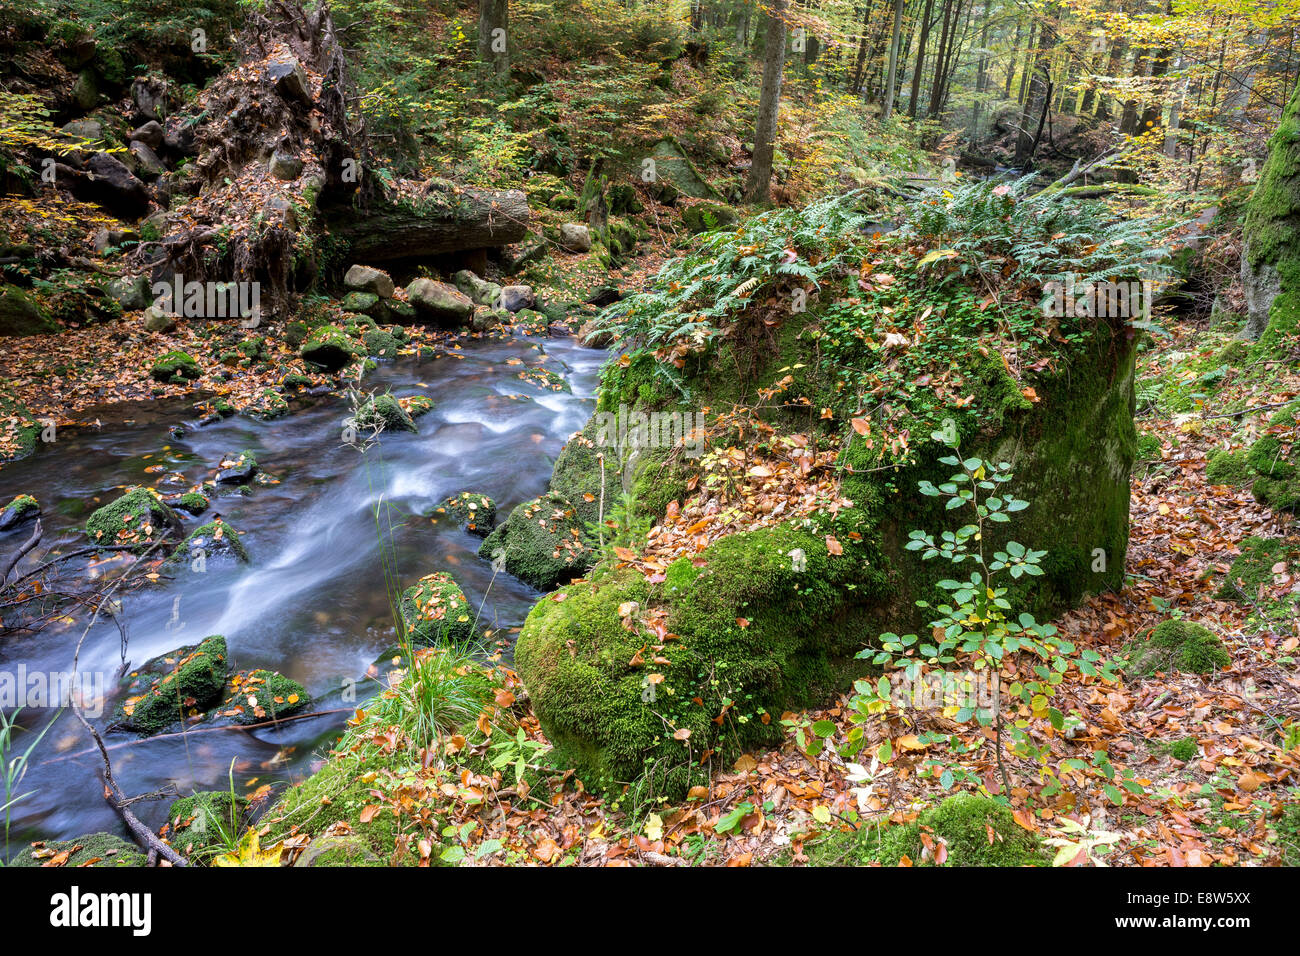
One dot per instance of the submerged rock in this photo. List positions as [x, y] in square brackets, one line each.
[237, 469]
[474, 513]
[138, 518]
[173, 686]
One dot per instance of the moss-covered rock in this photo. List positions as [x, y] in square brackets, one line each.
[763, 622]
[205, 823]
[237, 469]
[1225, 467]
[383, 413]
[214, 541]
[93, 849]
[473, 512]
[380, 343]
[191, 503]
[1176, 645]
[417, 405]
[138, 518]
[972, 830]
[543, 543]
[435, 611]
[20, 315]
[261, 696]
[173, 686]
[708, 215]
[176, 367]
[1277, 465]
[22, 508]
[328, 347]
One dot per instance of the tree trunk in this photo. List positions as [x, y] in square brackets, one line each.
[760, 173]
[920, 59]
[493, 24]
[896, 38]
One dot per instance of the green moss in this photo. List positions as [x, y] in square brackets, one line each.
[103, 848]
[1176, 645]
[176, 367]
[1148, 447]
[138, 518]
[435, 611]
[1228, 468]
[962, 822]
[1287, 829]
[193, 503]
[328, 347]
[205, 823]
[417, 405]
[380, 343]
[473, 512]
[21, 507]
[1253, 568]
[1269, 225]
[384, 413]
[542, 543]
[173, 686]
[1184, 749]
[760, 629]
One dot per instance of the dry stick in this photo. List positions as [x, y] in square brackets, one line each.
[30, 543]
[207, 730]
[143, 835]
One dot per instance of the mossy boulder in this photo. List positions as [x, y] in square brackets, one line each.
[380, 343]
[1277, 467]
[175, 367]
[1176, 645]
[383, 413]
[328, 347]
[21, 315]
[435, 611]
[173, 686]
[474, 513]
[1225, 467]
[708, 215]
[93, 849]
[762, 622]
[138, 518]
[260, 696]
[22, 508]
[971, 830]
[364, 302]
[203, 824]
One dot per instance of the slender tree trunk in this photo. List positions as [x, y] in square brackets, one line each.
[924, 36]
[1011, 64]
[493, 27]
[855, 86]
[769, 104]
[896, 38]
[936, 86]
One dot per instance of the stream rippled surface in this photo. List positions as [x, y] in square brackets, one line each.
[312, 602]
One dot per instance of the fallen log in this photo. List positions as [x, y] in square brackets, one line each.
[429, 220]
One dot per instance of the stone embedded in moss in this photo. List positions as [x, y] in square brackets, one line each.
[93, 849]
[708, 215]
[435, 611]
[205, 823]
[22, 508]
[773, 629]
[1176, 645]
[473, 512]
[1253, 568]
[362, 302]
[176, 367]
[261, 696]
[138, 518]
[168, 688]
[328, 347]
[974, 831]
[542, 542]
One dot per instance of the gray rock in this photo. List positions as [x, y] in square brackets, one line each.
[130, 292]
[516, 297]
[1262, 286]
[531, 249]
[158, 320]
[440, 302]
[151, 134]
[85, 92]
[486, 319]
[290, 81]
[479, 290]
[150, 97]
[84, 129]
[148, 164]
[575, 237]
[285, 166]
[365, 279]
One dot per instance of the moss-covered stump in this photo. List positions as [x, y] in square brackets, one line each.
[22, 508]
[137, 519]
[260, 696]
[968, 830]
[174, 686]
[175, 367]
[547, 541]
[215, 540]
[1176, 645]
[205, 823]
[471, 512]
[435, 611]
[383, 413]
[328, 348]
[766, 622]
[93, 849]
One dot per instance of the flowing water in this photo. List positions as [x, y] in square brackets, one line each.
[312, 602]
